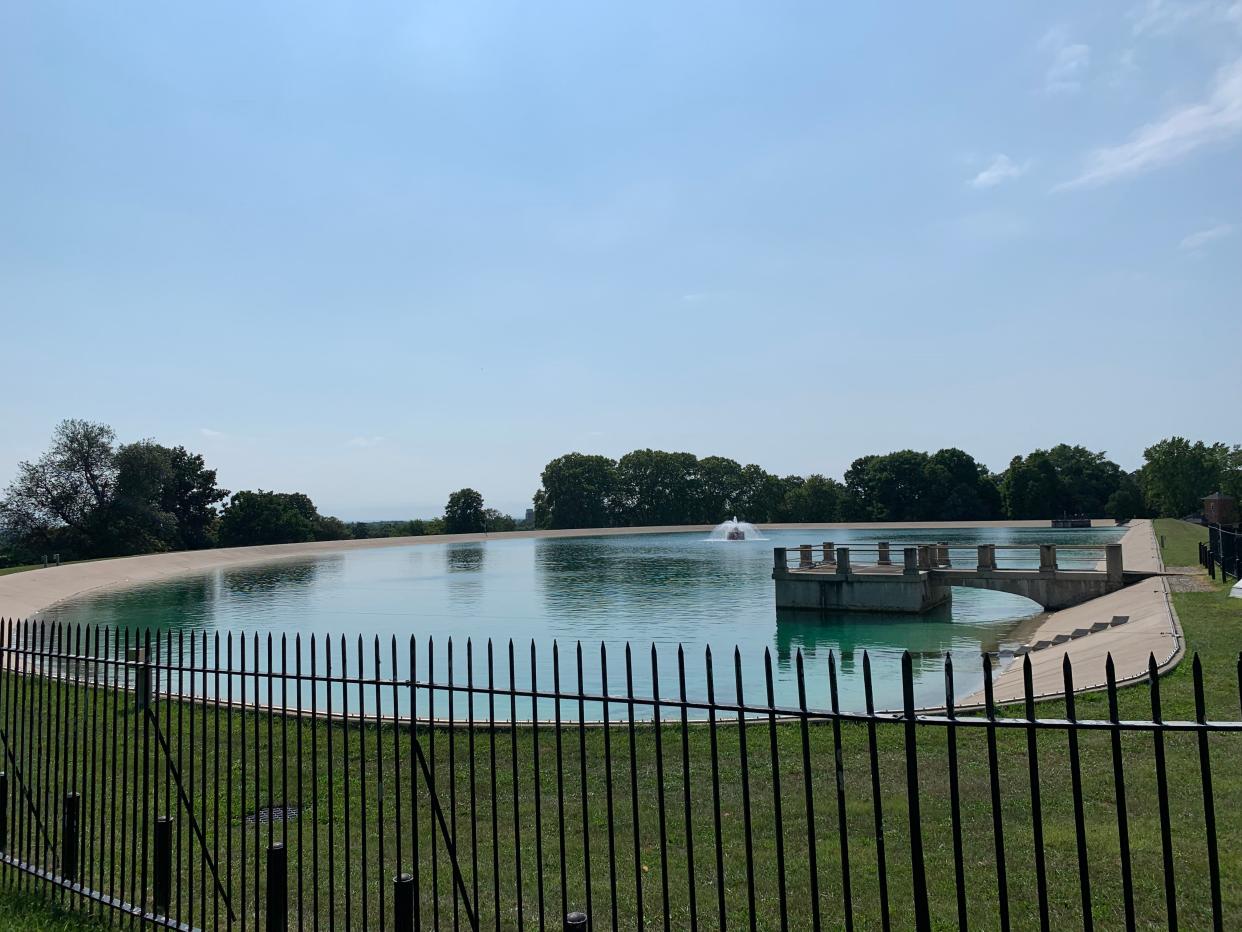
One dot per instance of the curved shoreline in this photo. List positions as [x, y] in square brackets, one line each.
[26, 594]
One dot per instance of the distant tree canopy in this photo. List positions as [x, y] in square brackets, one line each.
[652, 487]
[255, 518]
[86, 497]
[464, 513]
[1178, 474]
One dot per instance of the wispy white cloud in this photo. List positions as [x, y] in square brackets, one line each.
[1160, 17]
[1002, 168]
[208, 432]
[364, 442]
[1203, 237]
[1174, 137]
[1069, 63]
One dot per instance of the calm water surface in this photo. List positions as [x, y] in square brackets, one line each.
[655, 590]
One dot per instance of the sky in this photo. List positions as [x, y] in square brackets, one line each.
[377, 252]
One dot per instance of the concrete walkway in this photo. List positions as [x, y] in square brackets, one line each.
[1152, 629]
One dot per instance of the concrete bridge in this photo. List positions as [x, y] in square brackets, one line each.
[922, 577]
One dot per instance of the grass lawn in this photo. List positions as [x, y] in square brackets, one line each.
[33, 913]
[527, 812]
[1180, 541]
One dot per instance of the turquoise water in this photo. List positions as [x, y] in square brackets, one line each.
[661, 589]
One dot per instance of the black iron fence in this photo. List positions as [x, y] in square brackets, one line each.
[1223, 552]
[190, 781]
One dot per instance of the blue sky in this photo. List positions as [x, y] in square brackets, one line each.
[377, 252]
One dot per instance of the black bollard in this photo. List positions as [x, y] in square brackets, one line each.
[576, 922]
[162, 886]
[277, 888]
[403, 903]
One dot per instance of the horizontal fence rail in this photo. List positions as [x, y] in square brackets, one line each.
[194, 780]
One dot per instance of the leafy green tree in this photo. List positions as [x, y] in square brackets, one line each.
[464, 513]
[721, 486]
[494, 521]
[60, 501]
[256, 518]
[1126, 502]
[578, 490]
[1032, 488]
[655, 488]
[891, 487]
[165, 499]
[817, 499]
[1177, 474]
[1088, 479]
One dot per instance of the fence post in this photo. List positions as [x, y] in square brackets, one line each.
[162, 887]
[1047, 558]
[403, 903]
[884, 558]
[576, 922]
[780, 559]
[277, 888]
[4, 811]
[911, 556]
[69, 839]
[843, 560]
[804, 555]
[830, 552]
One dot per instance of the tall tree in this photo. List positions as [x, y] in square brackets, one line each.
[577, 491]
[1178, 474]
[165, 499]
[654, 487]
[1032, 488]
[256, 518]
[464, 513]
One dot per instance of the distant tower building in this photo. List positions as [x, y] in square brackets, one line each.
[530, 515]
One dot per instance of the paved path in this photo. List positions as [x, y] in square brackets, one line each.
[24, 595]
[1153, 629]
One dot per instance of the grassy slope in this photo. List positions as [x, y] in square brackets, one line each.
[1213, 625]
[1181, 541]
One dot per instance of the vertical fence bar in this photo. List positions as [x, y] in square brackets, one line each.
[998, 821]
[400, 889]
[329, 741]
[919, 877]
[744, 759]
[430, 735]
[1037, 817]
[379, 779]
[715, 749]
[314, 731]
[778, 817]
[452, 785]
[608, 789]
[162, 886]
[808, 788]
[537, 771]
[1119, 787]
[69, 838]
[691, 892]
[638, 855]
[517, 821]
[491, 740]
[258, 780]
[228, 775]
[582, 772]
[1080, 829]
[189, 781]
[1209, 801]
[277, 888]
[347, 853]
[474, 808]
[838, 759]
[657, 730]
[298, 683]
[363, 813]
[877, 803]
[560, 776]
[1162, 794]
[415, 847]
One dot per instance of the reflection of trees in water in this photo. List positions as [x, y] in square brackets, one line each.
[928, 637]
[584, 574]
[285, 576]
[466, 558]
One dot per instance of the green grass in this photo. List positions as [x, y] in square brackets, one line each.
[1213, 626]
[6, 570]
[1180, 541]
[33, 913]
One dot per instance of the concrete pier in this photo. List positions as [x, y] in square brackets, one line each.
[926, 577]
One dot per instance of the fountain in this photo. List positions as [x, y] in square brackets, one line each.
[735, 530]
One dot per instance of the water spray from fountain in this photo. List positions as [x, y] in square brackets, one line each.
[736, 530]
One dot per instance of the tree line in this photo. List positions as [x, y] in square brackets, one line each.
[653, 487]
[88, 496]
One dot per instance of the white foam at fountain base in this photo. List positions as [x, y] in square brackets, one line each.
[736, 531]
